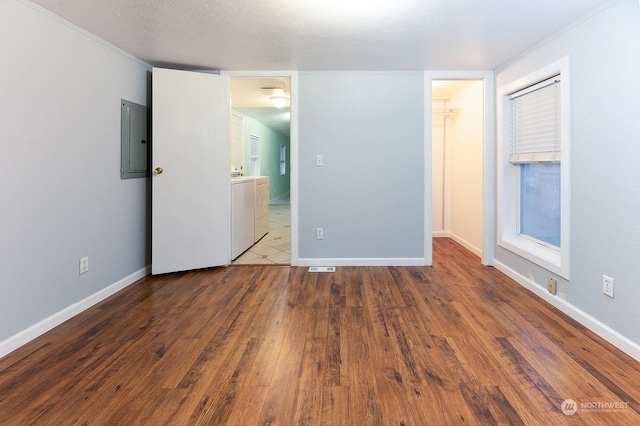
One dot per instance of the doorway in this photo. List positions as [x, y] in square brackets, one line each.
[262, 147]
[460, 151]
[457, 143]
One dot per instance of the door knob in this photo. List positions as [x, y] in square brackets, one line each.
[159, 170]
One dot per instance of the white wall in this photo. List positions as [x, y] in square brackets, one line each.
[61, 196]
[604, 56]
[466, 167]
[369, 195]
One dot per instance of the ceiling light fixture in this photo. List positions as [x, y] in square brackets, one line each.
[279, 99]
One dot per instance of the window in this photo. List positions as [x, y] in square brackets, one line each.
[533, 171]
[540, 202]
[254, 164]
[536, 150]
[283, 160]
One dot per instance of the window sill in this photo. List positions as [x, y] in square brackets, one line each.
[546, 257]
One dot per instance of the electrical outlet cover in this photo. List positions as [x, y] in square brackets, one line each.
[84, 265]
[607, 286]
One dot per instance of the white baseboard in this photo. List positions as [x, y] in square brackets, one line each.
[623, 343]
[441, 234]
[41, 327]
[473, 249]
[417, 261]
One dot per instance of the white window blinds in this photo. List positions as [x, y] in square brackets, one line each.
[536, 123]
[255, 146]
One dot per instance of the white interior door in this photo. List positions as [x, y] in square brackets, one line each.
[190, 170]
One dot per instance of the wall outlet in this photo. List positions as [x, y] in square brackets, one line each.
[84, 265]
[607, 286]
[551, 285]
[319, 233]
[319, 160]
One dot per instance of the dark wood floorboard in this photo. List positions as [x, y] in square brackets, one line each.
[456, 343]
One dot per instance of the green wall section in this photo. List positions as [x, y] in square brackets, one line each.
[270, 142]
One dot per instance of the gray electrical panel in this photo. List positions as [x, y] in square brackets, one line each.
[135, 140]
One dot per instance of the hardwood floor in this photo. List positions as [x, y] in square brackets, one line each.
[456, 343]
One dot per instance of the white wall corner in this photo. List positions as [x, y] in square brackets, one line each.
[620, 341]
[466, 244]
[25, 336]
[82, 31]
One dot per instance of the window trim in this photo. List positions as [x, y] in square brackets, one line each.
[283, 160]
[553, 259]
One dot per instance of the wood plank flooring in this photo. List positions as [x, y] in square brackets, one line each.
[456, 343]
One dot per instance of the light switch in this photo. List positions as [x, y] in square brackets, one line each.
[319, 161]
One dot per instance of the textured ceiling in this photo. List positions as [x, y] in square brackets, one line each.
[320, 35]
[255, 92]
[323, 35]
[249, 96]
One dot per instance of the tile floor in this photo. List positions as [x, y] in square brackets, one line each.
[275, 247]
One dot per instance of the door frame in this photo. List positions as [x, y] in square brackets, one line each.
[488, 161]
[293, 166]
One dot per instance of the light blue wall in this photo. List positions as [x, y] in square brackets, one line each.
[369, 196]
[270, 142]
[61, 196]
[605, 149]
